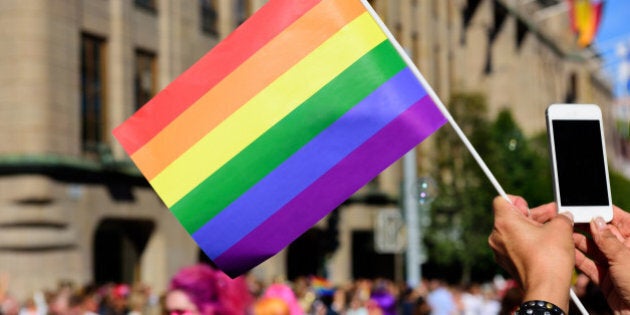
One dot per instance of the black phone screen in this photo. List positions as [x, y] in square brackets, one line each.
[580, 163]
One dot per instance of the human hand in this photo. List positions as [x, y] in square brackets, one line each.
[540, 256]
[606, 258]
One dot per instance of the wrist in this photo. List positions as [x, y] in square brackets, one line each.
[539, 308]
[549, 283]
[550, 290]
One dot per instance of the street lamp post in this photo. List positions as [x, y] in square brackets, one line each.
[418, 195]
[426, 191]
[411, 218]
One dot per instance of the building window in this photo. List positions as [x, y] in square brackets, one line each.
[571, 94]
[209, 17]
[242, 10]
[149, 5]
[92, 92]
[145, 80]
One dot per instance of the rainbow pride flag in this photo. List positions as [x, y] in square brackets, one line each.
[280, 123]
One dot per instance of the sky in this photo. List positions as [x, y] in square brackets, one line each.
[614, 31]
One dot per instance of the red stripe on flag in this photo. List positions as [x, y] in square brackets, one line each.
[238, 88]
[208, 71]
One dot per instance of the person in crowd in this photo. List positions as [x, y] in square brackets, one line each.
[511, 300]
[203, 290]
[385, 301]
[324, 303]
[490, 302]
[285, 293]
[271, 306]
[440, 298]
[116, 300]
[414, 300]
[356, 306]
[373, 308]
[539, 249]
[138, 300]
[471, 300]
[35, 305]
[58, 300]
[385, 294]
[304, 293]
[77, 305]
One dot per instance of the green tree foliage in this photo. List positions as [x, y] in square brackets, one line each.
[461, 216]
[620, 190]
[520, 164]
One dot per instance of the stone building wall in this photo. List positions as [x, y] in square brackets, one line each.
[58, 202]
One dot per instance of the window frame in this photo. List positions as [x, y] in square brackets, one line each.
[93, 90]
[141, 55]
[209, 17]
[148, 5]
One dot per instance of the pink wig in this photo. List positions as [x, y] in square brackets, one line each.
[285, 293]
[212, 291]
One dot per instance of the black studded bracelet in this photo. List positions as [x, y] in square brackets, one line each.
[538, 308]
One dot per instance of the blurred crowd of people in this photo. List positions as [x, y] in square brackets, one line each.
[203, 290]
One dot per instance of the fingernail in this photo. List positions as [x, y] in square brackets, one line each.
[600, 223]
[568, 215]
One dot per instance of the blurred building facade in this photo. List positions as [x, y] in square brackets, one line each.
[73, 207]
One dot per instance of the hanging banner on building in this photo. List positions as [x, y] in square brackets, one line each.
[585, 17]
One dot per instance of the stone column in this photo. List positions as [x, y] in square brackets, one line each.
[120, 55]
[38, 106]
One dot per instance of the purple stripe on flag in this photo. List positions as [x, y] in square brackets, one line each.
[309, 163]
[329, 191]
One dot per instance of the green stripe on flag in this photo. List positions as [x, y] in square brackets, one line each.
[216, 192]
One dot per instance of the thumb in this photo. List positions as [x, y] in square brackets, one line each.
[605, 240]
[563, 221]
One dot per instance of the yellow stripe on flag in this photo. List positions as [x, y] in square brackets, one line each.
[260, 70]
[267, 108]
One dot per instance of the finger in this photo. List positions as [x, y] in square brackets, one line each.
[516, 206]
[580, 241]
[588, 247]
[615, 231]
[520, 203]
[606, 240]
[587, 266]
[545, 212]
[501, 208]
[561, 225]
[621, 219]
[564, 220]
[562, 228]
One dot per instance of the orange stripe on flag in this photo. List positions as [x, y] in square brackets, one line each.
[279, 55]
[151, 118]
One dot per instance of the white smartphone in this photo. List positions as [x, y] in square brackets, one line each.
[578, 159]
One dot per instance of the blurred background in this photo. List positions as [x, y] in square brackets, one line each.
[74, 209]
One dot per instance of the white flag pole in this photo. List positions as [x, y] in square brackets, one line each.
[436, 100]
[451, 120]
